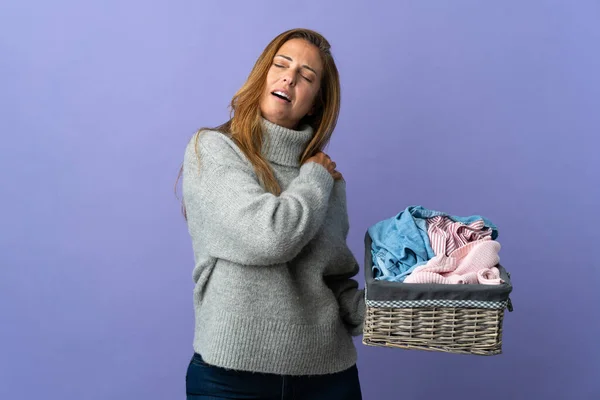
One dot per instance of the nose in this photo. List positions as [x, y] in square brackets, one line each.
[289, 79]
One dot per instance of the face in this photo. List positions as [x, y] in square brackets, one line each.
[293, 83]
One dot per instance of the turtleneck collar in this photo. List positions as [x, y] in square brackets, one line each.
[285, 146]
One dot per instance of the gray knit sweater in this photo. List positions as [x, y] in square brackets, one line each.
[273, 274]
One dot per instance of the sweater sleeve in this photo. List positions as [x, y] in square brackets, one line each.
[350, 298]
[240, 221]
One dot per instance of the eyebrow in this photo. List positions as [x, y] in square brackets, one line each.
[304, 66]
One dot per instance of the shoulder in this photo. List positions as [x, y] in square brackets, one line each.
[215, 148]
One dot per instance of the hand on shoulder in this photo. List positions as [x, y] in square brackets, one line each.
[328, 163]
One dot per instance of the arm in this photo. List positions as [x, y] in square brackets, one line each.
[239, 220]
[351, 300]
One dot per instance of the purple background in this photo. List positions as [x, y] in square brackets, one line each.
[464, 106]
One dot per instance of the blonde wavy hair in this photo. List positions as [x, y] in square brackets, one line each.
[245, 124]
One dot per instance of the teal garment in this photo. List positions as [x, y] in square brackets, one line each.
[401, 244]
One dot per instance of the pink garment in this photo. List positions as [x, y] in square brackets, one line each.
[447, 235]
[472, 263]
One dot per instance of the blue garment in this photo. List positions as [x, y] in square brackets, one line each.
[401, 244]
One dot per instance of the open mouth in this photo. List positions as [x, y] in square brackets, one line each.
[281, 95]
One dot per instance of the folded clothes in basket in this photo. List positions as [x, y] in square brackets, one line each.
[435, 247]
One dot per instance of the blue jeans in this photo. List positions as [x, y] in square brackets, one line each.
[208, 382]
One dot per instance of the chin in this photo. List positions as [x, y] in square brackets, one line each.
[275, 118]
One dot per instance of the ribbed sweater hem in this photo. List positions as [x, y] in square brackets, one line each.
[274, 346]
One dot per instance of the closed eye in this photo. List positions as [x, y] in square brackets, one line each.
[283, 66]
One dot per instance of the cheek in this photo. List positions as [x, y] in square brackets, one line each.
[309, 97]
[272, 76]
[269, 81]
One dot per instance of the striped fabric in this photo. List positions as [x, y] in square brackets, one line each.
[446, 235]
[473, 263]
[464, 254]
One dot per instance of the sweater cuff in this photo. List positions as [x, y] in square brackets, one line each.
[358, 318]
[319, 173]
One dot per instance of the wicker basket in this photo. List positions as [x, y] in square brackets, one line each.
[464, 319]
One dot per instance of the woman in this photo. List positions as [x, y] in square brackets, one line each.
[275, 305]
